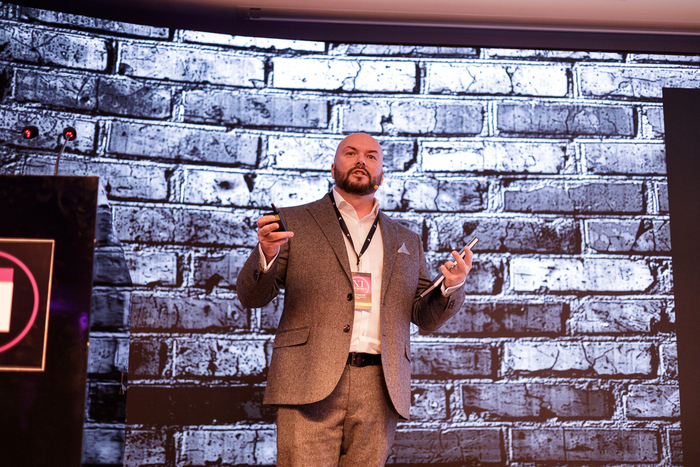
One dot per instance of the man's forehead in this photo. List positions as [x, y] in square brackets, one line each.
[360, 141]
[350, 147]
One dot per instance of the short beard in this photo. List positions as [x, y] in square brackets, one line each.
[343, 182]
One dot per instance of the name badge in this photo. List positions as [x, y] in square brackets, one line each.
[362, 284]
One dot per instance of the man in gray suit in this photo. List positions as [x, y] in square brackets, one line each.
[340, 372]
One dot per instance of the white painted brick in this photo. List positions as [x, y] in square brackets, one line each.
[625, 158]
[245, 108]
[413, 116]
[444, 195]
[291, 152]
[317, 153]
[255, 42]
[574, 196]
[499, 156]
[578, 275]
[653, 401]
[390, 194]
[634, 81]
[203, 356]
[669, 360]
[346, 75]
[122, 180]
[226, 188]
[408, 116]
[479, 78]
[598, 316]
[601, 358]
[230, 447]
[653, 125]
[186, 225]
[215, 187]
[176, 142]
[629, 236]
[46, 46]
[103, 446]
[421, 194]
[288, 190]
[152, 266]
[108, 354]
[537, 119]
[178, 63]
[662, 197]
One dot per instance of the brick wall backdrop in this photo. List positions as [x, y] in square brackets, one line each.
[564, 353]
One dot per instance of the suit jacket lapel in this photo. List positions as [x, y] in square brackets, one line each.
[391, 246]
[323, 213]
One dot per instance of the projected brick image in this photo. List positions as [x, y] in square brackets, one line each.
[6, 289]
[565, 350]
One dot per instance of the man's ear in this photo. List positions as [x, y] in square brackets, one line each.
[381, 178]
[333, 171]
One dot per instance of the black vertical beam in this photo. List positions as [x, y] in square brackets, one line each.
[682, 122]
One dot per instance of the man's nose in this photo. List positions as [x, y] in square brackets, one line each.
[360, 160]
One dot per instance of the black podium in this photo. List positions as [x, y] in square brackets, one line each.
[47, 231]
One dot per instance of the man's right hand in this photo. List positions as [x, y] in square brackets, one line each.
[270, 241]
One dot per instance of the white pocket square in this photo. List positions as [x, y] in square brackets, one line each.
[403, 249]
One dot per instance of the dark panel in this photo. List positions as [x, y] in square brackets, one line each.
[682, 120]
[42, 412]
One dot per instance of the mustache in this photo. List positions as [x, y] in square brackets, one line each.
[363, 169]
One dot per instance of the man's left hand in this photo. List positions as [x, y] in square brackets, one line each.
[455, 272]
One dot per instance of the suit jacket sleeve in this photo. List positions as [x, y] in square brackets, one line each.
[432, 311]
[257, 288]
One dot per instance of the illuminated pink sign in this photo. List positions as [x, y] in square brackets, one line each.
[25, 289]
[6, 287]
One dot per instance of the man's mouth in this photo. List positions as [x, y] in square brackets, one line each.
[359, 172]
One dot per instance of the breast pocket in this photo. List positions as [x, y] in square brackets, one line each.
[291, 338]
[407, 270]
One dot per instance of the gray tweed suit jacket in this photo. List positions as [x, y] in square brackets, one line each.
[311, 347]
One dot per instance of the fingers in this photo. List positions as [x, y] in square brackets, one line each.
[456, 271]
[270, 241]
[460, 265]
[265, 221]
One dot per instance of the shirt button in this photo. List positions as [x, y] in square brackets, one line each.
[346, 328]
[349, 298]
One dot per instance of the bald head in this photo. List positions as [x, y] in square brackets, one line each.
[357, 166]
[359, 141]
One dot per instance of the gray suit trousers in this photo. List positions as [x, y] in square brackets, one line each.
[353, 427]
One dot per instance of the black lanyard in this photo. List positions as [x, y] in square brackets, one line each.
[344, 228]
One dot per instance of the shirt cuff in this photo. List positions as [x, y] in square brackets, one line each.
[264, 266]
[446, 292]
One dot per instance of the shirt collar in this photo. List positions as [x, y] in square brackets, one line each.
[347, 208]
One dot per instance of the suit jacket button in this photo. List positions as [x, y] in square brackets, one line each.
[349, 298]
[346, 328]
[255, 275]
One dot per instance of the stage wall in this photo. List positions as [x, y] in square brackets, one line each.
[565, 349]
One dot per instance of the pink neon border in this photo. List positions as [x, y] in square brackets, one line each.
[36, 301]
